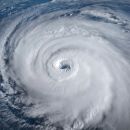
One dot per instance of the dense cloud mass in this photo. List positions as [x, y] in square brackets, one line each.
[65, 65]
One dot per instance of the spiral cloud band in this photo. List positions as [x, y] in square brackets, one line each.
[66, 66]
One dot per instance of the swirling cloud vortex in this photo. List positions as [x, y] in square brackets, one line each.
[71, 66]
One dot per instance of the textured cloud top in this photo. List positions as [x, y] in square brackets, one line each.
[65, 65]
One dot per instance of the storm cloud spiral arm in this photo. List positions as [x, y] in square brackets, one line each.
[65, 65]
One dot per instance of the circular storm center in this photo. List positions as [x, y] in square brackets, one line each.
[64, 65]
[61, 68]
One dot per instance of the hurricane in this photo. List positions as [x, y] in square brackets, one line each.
[65, 65]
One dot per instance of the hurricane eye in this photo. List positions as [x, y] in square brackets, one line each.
[64, 66]
[59, 68]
